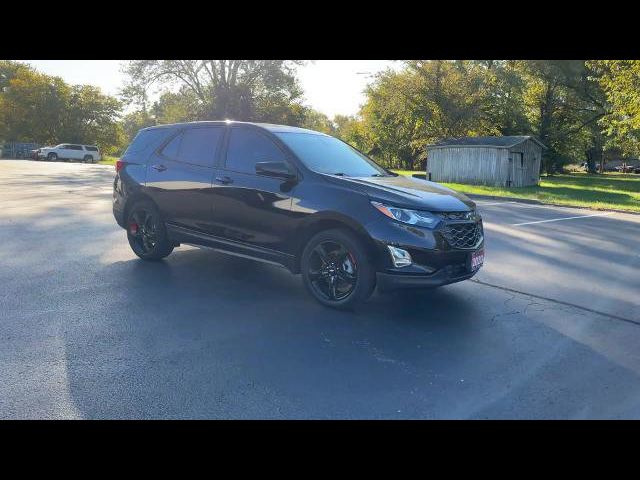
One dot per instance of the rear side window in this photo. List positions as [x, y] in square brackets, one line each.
[248, 147]
[172, 148]
[146, 141]
[92, 149]
[74, 147]
[197, 146]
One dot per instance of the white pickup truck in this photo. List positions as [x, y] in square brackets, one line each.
[70, 151]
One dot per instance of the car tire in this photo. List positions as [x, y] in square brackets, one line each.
[88, 159]
[146, 231]
[337, 270]
[52, 157]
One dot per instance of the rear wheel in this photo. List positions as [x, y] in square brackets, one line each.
[88, 159]
[146, 232]
[336, 269]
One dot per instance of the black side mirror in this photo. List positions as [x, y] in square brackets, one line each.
[275, 169]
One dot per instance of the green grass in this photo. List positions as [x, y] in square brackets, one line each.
[108, 160]
[599, 192]
[408, 173]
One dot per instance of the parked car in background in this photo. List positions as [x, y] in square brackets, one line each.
[71, 151]
[297, 198]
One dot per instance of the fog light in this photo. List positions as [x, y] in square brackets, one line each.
[400, 257]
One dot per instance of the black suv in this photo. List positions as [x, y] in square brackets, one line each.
[296, 198]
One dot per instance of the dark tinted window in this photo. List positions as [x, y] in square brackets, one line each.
[92, 149]
[248, 147]
[325, 154]
[171, 149]
[195, 145]
[75, 147]
[147, 140]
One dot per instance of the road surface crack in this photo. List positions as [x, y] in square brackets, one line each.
[558, 302]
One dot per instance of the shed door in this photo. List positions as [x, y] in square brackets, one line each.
[519, 169]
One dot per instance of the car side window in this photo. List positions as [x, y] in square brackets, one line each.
[196, 146]
[248, 147]
[171, 149]
[74, 147]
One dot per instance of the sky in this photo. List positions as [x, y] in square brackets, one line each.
[330, 86]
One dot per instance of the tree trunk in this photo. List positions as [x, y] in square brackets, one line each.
[594, 156]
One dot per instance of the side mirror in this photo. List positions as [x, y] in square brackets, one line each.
[275, 169]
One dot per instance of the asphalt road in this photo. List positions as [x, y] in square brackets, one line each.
[89, 331]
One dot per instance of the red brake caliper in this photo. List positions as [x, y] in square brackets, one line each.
[133, 228]
[353, 260]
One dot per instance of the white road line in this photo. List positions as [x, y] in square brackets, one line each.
[525, 205]
[563, 218]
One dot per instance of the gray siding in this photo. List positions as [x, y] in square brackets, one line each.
[485, 165]
[532, 156]
[478, 165]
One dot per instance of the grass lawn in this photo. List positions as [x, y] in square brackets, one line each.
[600, 192]
[107, 160]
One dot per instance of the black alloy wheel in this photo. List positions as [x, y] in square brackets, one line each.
[333, 270]
[146, 232]
[336, 269]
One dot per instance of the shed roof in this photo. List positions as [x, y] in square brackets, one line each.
[494, 142]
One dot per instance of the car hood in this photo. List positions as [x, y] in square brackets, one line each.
[408, 192]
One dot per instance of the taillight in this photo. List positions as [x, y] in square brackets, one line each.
[119, 165]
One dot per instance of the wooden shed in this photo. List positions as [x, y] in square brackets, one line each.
[512, 161]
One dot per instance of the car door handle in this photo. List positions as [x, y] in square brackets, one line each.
[224, 180]
[159, 168]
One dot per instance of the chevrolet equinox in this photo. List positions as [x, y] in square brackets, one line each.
[296, 198]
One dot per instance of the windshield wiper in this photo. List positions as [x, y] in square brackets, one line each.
[378, 175]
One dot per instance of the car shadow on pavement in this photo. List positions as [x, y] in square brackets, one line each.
[205, 335]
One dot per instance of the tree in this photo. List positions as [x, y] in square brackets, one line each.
[351, 129]
[315, 120]
[175, 107]
[92, 117]
[503, 103]
[35, 107]
[423, 103]
[563, 106]
[389, 120]
[249, 90]
[620, 83]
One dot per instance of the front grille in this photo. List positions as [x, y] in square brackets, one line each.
[455, 215]
[463, 235]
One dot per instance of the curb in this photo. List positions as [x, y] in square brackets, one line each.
[538, 202]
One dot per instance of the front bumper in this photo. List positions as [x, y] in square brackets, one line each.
[435, 261]
[394, 281]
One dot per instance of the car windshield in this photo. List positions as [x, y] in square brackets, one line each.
[325, 154]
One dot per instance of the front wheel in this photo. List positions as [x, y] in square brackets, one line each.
[146, 232]
[52, 157]
[337, 270]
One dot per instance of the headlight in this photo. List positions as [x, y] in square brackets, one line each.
[412, 217]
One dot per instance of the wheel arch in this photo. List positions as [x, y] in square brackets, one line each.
[322, 222]
[132, 200]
